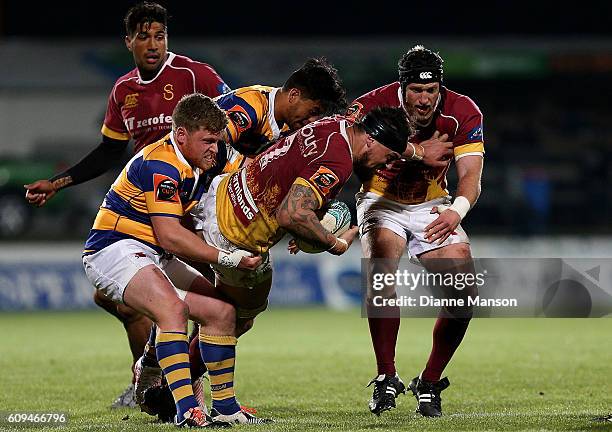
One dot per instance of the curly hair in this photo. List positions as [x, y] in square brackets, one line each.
[318, 80]
[143, 15]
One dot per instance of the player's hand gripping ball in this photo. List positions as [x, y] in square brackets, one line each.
[336, 219]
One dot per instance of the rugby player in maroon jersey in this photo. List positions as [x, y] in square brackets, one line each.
[139, 107]
[407, 205]
[279, 193]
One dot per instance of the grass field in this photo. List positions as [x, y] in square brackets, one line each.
[308, 369]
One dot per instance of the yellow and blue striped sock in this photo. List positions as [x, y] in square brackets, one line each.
[173, 356]
[219, 354]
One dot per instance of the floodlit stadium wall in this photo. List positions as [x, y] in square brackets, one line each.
[50, 276]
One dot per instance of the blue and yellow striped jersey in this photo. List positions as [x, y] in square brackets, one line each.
[252, 127]
[157, 181]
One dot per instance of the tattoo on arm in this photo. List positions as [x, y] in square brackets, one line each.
[61, 182]
[300, 205]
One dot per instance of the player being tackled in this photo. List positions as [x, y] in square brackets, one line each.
[278, 193]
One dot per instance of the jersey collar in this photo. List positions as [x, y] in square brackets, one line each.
[171, 56]
[345, 136]
[271, 118]
[400, 96]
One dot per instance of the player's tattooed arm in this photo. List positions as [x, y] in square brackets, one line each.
[296, 214]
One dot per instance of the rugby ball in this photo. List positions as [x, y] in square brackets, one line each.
[336, 219]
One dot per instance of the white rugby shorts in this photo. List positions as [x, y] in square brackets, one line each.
[111, 269]
[406, 220]
[205, 220]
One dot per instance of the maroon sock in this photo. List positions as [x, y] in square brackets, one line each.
[447, 335]
[195, 359]
[383, 332]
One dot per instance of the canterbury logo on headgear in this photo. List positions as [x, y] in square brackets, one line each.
[421, 76]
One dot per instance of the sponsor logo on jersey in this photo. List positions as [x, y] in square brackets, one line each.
[425, 75]
[268, 157]
[164, 120]
[324, 179]
[308, 146]
[165, 189]
[223, 88]
[241, 199]
[354, 110]
[239, 117]
[168, 92]
[130, 100]
[476, 133]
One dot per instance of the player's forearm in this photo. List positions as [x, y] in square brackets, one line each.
[186, 244]
[96, 163]
[296, 214]
[469, 173]
[469, 187]
[306, 226]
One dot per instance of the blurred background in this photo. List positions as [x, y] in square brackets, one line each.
[541, 77]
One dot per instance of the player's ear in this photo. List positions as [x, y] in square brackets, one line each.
[128, 43]
[180, 135]
[294, 95]
[369, 140]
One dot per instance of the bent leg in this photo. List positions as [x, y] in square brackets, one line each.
[150, 292]
[451, 325]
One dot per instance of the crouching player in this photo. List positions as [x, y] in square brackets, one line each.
[129, 254]
[258, 116]
[279, 192]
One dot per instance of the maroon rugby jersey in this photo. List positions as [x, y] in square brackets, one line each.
[410, 182]
[317, 156]
[142, 110]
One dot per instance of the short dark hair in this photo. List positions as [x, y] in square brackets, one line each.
[417, 61]
[195, 111]
[389, 126]
[318, 80]
[144, 13]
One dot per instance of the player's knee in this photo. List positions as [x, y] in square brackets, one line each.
[226, 313]
[174, 312]
[382, 282]
[105, 303]
[127, 314]
[459, 251]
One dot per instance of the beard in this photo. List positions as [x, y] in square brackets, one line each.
[363, 172]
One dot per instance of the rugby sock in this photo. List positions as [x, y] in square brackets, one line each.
[173, 356]
[447, 335]
[383, 332]
[219, 355]
[195, 359]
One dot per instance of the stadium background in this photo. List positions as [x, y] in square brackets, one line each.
[540, 75]
[542, 84]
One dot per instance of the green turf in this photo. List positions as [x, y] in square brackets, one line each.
[308, 368]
